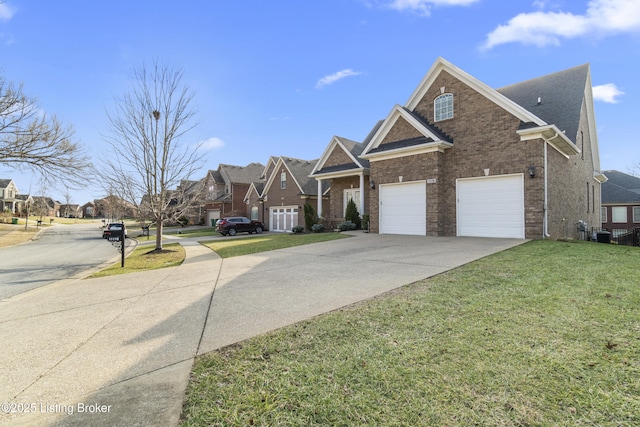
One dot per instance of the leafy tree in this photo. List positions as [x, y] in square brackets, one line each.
[352, 213]
[310, 216]
[149, 157]
[30, 139]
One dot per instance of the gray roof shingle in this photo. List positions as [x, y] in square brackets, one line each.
[620, 188]
[241, 174]
[560, 94]
[301, 169]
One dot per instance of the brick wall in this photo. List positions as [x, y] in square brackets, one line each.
[484, 137]
[338, 157]
[254, 200]
[336, 206]
[419, 167]
[401, 130]
[573, 192]
[290, 196]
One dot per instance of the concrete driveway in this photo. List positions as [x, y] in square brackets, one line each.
[119, 350]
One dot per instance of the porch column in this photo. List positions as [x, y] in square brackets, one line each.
[362, 194]
[319, 197]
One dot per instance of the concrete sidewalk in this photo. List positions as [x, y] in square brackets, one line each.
[118, 351]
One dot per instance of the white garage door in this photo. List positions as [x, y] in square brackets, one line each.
[491, 206]
[403, 208]
[283, 218]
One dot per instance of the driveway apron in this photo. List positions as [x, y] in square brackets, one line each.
[119, 350]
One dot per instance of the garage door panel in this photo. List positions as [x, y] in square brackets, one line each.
[403, 208]
[491, 207]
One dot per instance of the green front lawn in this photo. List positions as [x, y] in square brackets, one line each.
[230, 247]
[145, 258]
[195, 232]
[545, 334]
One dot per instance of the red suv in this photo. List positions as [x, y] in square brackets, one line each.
[238, 224]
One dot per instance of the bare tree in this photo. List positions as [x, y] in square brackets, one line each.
[29, 138]
[149, 156]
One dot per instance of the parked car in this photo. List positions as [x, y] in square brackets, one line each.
[238, 224]
[113, 229]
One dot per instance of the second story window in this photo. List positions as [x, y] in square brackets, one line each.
[283, 181]
[443, 107]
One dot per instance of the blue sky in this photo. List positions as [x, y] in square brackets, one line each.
[282, 77]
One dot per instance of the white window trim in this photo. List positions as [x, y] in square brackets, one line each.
[445, 110]
[636, 208]
[283, 181]
[616, 218]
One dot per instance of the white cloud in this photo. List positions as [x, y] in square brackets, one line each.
[332, 78]
[423, 7]
[607, 93]
[548, 28]
[6, 12]
[211, 144]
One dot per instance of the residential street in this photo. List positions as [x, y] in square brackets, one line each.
[59, 252]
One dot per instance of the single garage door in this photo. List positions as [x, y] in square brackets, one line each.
[403, 208]
[283, 218]
[491, 206]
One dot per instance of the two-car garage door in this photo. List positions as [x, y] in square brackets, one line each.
[491, 206]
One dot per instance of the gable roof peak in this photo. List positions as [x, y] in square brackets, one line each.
[442, 64]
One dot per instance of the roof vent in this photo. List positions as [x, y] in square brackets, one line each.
[539, 100]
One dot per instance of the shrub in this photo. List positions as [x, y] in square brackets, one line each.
[365, 222]
[297, 229]
[347, 225]
[310, 216]
[352, 213]
[317, 228]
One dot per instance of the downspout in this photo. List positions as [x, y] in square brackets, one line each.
[545, 226]
[319, 205]
[361, 201]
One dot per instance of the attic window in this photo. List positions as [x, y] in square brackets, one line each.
[443, 107]
[283, 181]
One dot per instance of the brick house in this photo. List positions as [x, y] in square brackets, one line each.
[278, 199]
[45, 206]
[225, 188]
[620, 203]
[463, 159]
[8, 196]
[348, 173]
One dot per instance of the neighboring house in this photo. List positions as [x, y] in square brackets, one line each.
[8, 196]
[190, 194]
[279, 202]
[620, 203]
[114, 208]
[463, 159]
[89, 210]
[225, 188]
[71, 211]
[45, 206]
[255, 202]
[348, 173]
[25, 204]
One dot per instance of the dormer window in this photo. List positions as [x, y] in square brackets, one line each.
[443, 107]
